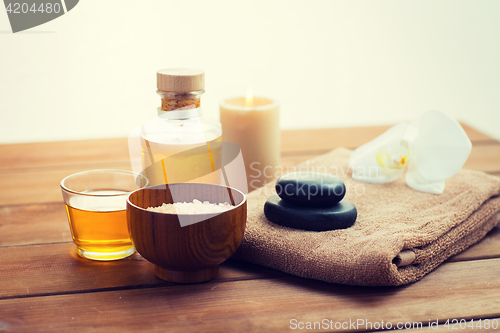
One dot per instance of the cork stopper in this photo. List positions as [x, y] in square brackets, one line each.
[180, 80]
[180, 88]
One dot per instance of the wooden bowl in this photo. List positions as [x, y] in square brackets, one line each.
[190, 253]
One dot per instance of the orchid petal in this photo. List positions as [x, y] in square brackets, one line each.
[439, 151]
[416, 182]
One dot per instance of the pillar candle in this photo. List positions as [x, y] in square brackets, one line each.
[253, 124]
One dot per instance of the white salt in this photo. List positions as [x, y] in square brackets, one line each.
[195, 207]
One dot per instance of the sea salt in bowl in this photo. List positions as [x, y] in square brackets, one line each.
[186, 248]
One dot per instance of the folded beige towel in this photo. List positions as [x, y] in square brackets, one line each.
[399, 236]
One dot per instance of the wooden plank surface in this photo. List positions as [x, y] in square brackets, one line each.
[34, 224]
[323, 139]
[33, 186]
[64, 272]
[49, 154]
[41, 186]
[46, 155]
[44, 286]
[31, 173]
[233, 306]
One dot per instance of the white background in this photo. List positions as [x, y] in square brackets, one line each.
[91, 72]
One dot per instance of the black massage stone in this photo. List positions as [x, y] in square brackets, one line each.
[338, 216]
[310, 189]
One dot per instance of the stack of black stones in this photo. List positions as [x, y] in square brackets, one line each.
[310, 201]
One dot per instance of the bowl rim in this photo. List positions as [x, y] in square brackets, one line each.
[214, 213]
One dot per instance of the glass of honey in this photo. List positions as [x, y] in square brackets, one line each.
[96, 207]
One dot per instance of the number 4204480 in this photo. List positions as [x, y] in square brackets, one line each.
[455, 324]
[23, 8]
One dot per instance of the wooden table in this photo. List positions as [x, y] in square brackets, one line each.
[45, 287]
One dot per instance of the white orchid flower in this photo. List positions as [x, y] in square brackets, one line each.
[433, 148]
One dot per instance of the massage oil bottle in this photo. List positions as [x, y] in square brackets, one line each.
[180, 145]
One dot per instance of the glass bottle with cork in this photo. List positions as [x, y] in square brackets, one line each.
[180, 145]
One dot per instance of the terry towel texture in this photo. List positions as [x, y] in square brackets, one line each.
[400, 234]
